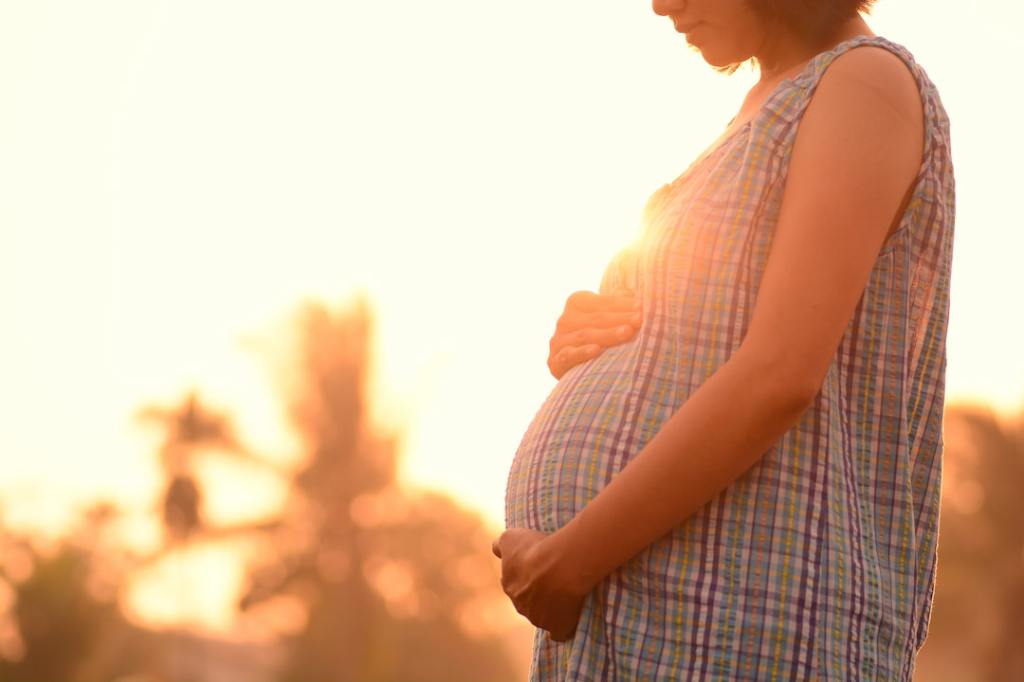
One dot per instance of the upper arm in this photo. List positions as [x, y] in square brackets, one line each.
[857, 152]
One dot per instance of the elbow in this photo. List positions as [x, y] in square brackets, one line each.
[787, 381]
[793, 391]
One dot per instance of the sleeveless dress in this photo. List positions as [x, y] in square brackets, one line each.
[817, 563]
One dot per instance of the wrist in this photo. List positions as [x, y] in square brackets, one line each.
[569, 561]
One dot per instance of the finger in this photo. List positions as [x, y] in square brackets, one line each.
[564, 626]
[569, 357]
[589, 302]
[590, 337]
[606, 320]
[620, 302]
[496, 548]
[583, 301]
[562, 636]
[571, 322]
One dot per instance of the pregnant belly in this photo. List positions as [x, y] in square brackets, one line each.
[588, 428]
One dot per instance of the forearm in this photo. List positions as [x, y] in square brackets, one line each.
[718, 433]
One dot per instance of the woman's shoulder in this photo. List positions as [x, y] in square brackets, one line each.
[867, 74]
[872, 80]
[864, 121]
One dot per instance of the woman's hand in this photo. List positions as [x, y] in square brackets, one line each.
[590, 323]
[535, 578]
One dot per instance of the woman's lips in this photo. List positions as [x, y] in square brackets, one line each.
[692, 32]
[686, 28]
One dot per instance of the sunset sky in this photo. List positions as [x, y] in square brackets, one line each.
[177, 175]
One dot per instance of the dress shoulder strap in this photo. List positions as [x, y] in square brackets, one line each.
[786, 105]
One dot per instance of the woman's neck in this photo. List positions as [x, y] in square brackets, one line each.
[783, 52]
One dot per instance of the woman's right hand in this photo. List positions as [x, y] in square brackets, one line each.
[590, 323]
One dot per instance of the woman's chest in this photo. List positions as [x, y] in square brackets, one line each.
[712, 226]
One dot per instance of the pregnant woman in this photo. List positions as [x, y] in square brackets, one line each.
[745, 485]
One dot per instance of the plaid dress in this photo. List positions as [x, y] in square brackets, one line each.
[819, 561]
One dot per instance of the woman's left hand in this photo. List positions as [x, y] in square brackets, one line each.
[535, 579]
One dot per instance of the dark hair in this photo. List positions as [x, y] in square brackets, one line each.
[814, 21]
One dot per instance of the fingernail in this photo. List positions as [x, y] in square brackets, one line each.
[637, 319]
[625, 330]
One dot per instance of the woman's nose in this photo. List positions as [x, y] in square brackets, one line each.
[665, 7]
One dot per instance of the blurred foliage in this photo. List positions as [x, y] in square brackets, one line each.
[395, 585]
[189, 428]
[62, 621]
[977, 623]
[383, 584]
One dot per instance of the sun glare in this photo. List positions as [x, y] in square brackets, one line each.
[180, 175]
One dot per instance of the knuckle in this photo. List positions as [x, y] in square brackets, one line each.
[555, 365]
[579, 299]
[577, 296]
[614, 319]
[570, 320]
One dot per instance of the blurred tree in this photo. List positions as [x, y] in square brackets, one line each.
[395, 586]
[181, 507]
[977, 624]
[62, 621]
[381, 584]
[388, 584]
[190, 428]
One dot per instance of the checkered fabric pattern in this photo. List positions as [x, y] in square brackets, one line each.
[818, 563]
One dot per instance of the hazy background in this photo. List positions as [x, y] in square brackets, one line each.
[177, 178]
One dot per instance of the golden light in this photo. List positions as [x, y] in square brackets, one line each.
[178, 175]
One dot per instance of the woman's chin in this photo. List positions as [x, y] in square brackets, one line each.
[718, 56]
[719, 59]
